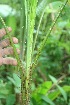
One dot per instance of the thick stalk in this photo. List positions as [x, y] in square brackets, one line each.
[31, 13]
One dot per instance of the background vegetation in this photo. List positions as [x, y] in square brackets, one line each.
[51, 79]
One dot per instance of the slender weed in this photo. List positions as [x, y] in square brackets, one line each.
[28, 14]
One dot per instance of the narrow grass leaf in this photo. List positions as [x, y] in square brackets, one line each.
[47, 100]
[60, 88]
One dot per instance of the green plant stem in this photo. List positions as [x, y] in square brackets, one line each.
[31, 14]
[22, 29]
[20, 65]
[42, 45]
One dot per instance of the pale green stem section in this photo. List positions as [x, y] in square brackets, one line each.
[42, 45]
[31, 14]
[22, 29]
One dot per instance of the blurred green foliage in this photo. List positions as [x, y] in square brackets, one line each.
[54, 60]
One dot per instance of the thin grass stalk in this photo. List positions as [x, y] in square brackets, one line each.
[20, 65]
[38, 28]
[42, 45]
[22, 29]
[23, 25]
[25, 10]
[31, 14]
